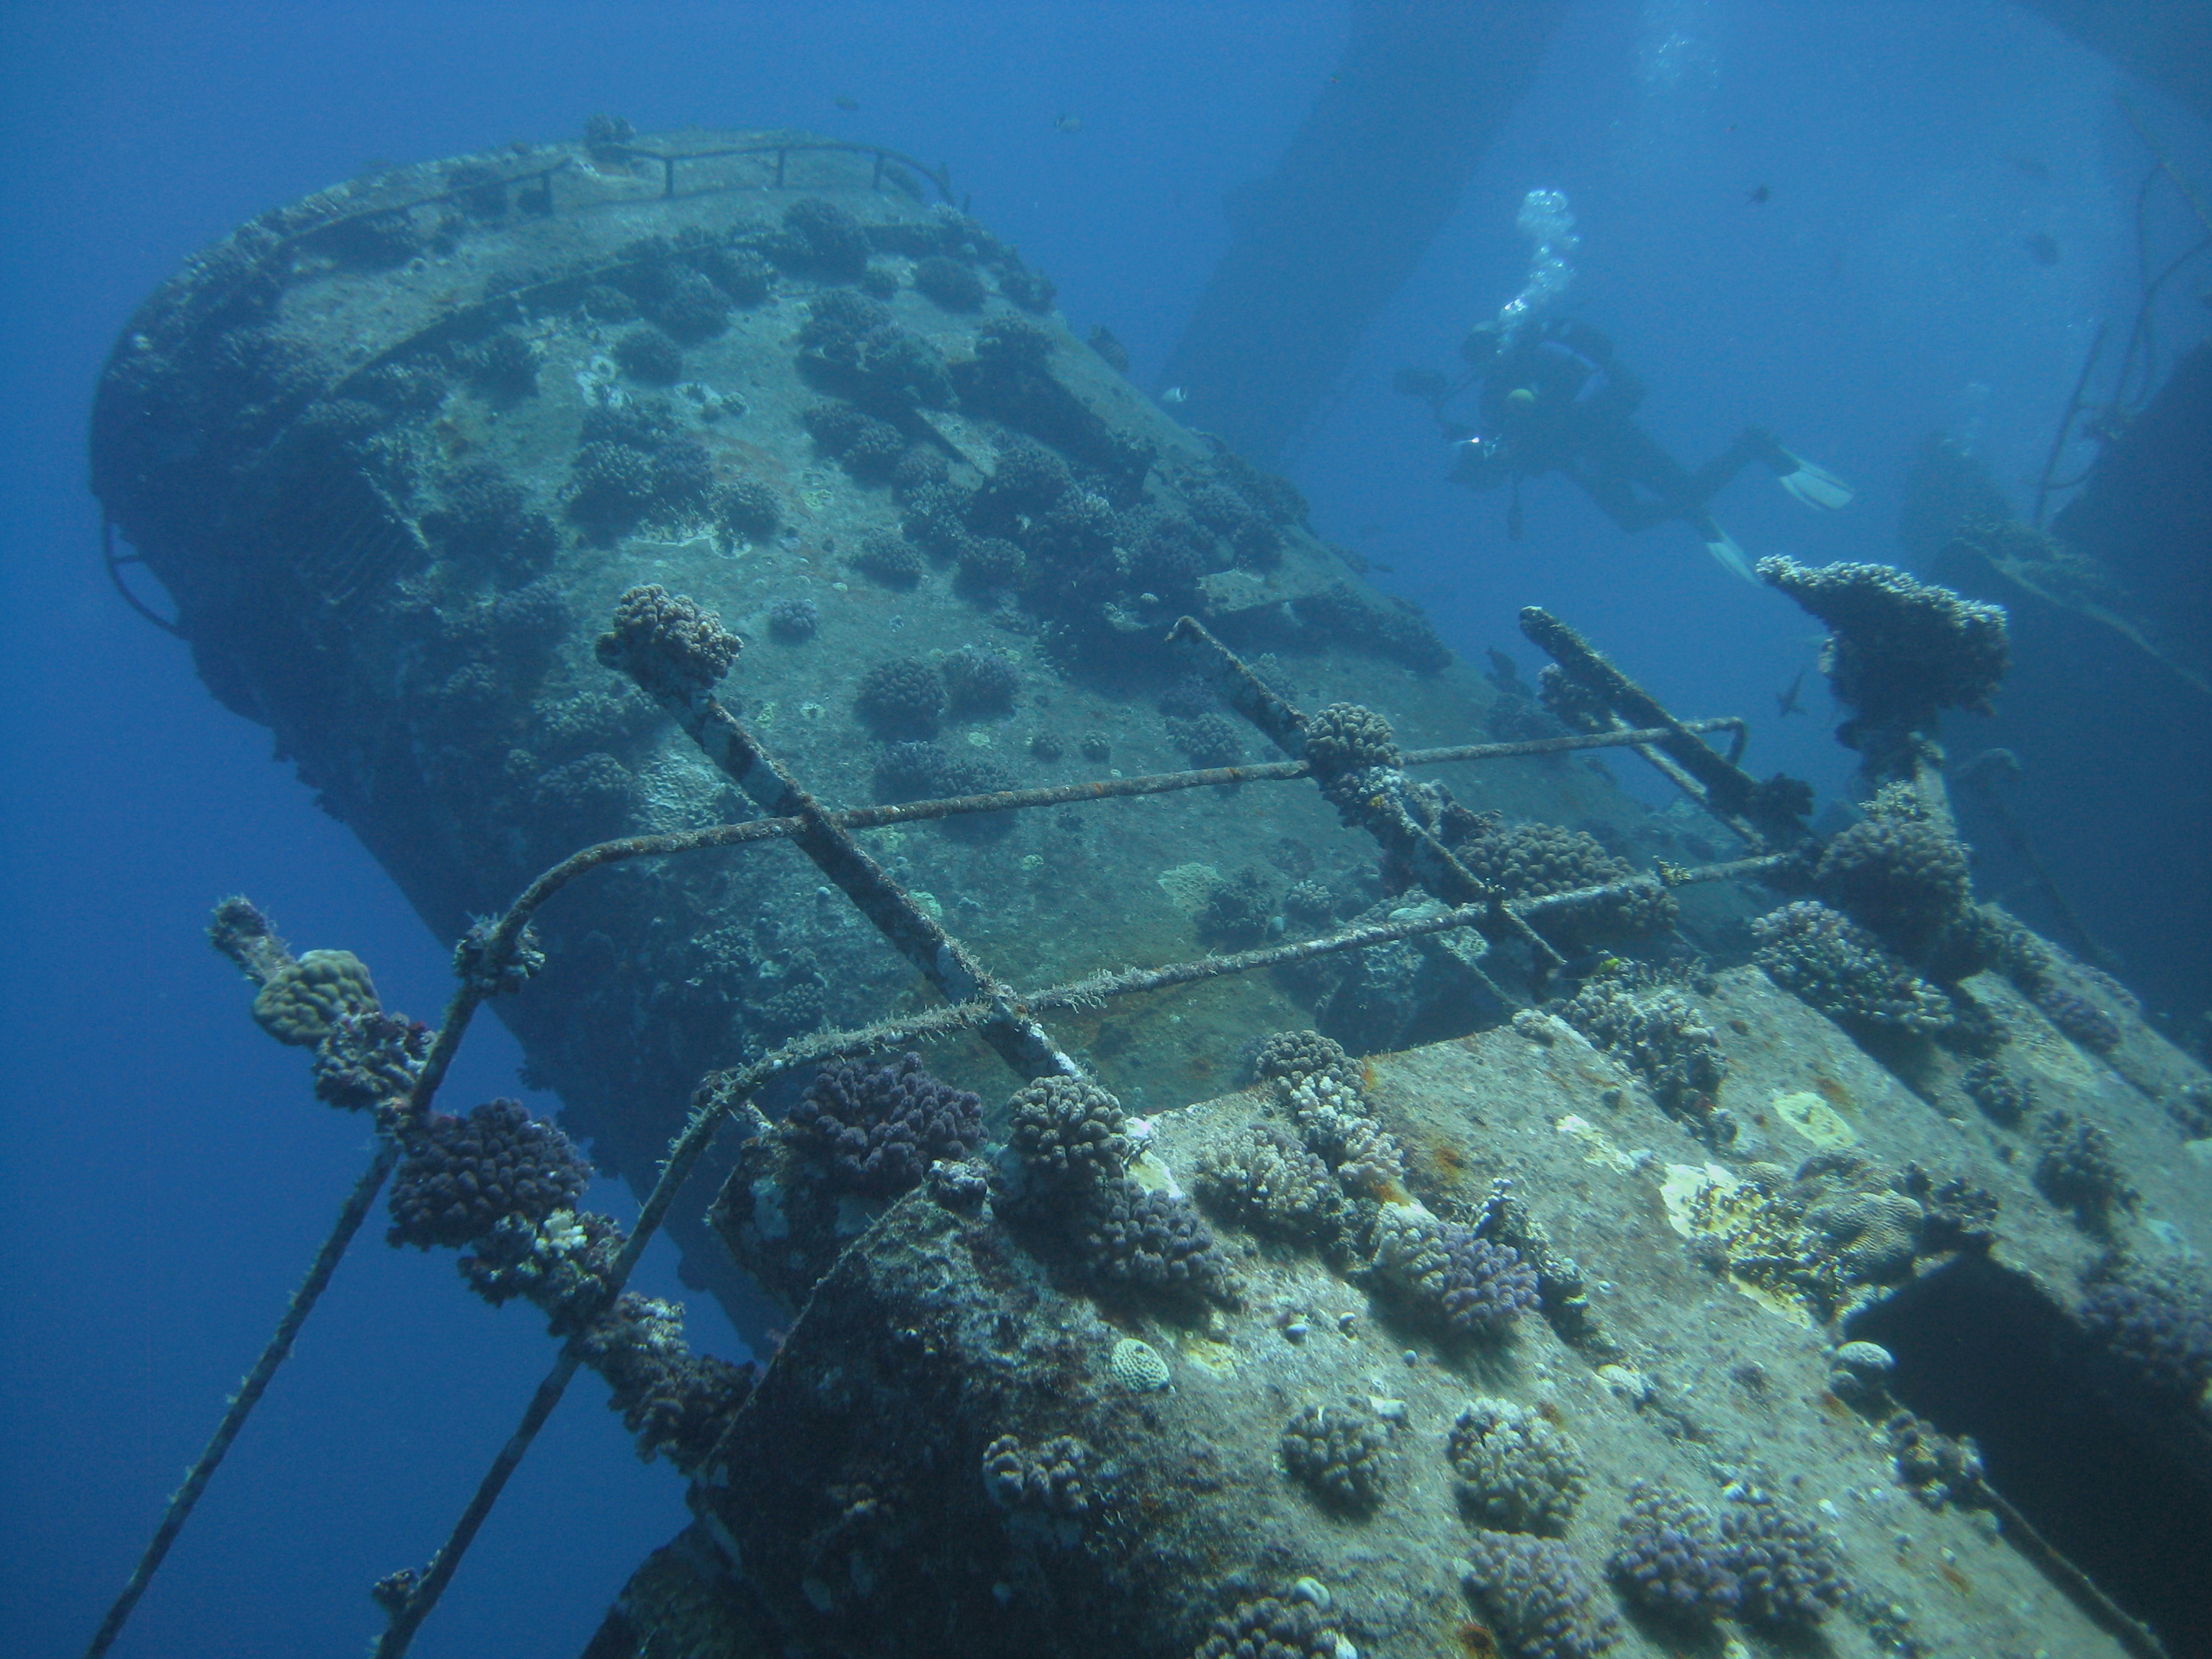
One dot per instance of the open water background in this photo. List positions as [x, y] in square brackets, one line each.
[165, 1175]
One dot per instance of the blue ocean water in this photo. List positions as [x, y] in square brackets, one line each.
[1814, 217]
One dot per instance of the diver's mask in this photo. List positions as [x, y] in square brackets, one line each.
[1484, 342]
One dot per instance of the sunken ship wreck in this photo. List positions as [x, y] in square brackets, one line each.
[1260, 1145]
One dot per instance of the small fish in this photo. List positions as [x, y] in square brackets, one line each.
[1594, 965]
[1762, 194]
[2034, 169]
[1505, 673]
[1175, 397]
[2042, 247]
[1064, 122]
[1115, 353]
[845, 103]
[1786, 703]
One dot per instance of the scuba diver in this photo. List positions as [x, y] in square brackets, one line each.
[1554, 398]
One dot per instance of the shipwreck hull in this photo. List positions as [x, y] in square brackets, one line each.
[394, 450]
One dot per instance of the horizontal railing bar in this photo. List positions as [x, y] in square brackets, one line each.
[1013, 800]
[1567, 745]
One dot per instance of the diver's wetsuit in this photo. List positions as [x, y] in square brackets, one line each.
[1557, 400]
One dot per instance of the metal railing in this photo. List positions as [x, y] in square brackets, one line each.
[783, 150]
[975, 1000]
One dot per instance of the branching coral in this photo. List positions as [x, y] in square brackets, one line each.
[742, 275]
[609, 488]
[486, 521]
[691, 308]
[1267, 1179]
[851, 346]
[1660, 1037]
[1532, 860]
[871, 449]
[675, 1401]
[1069, 1130]
[890, 558]
[2077, 1017]
[988, 563]
[1787, 1571]
[747, 510]
[1052, 1478]
[1027, 482]
[1467, 1284]
[1518, 1473]
[631, 467]
[2003, 1097]
[1150, 1240]
[1899, 873]
[822, 238]
[1238, 910]
[794, 620]
[1168, 553]
[1341, 1128]
[588, 798]
[1755, 1561]
[902, 697]
[2158, 1330]
[1349, 737]
[1272, 1628]
[1669, 1557]
[502, 366]
[1840, 969]
[1403, 635]
[369, 1060]
[917, 770]
[952, 286]
[1338, 1450]
[561, 1264]
[1295, 1055]
[979, 680]
[1538, 1597]
[667, 643]
[463, 1176]
[881, 1128]
[1937, 1467]
[649, 355]
[1573, 704]
[1210, 739]
[2075, 1169]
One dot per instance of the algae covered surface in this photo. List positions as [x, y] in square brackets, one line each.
[1669, 1348]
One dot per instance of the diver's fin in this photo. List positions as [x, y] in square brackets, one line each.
[1813, 485]
[1725, 552]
